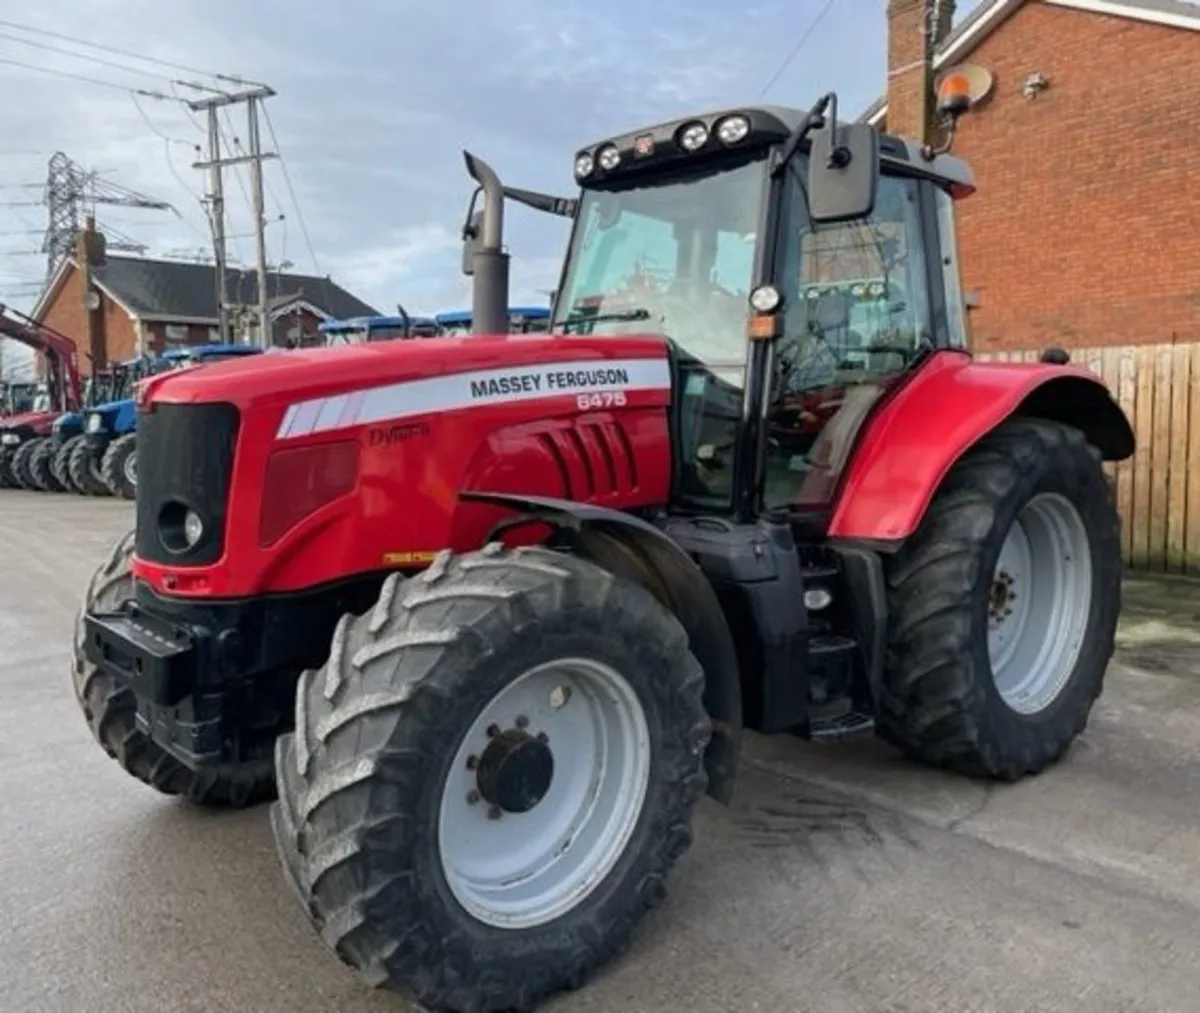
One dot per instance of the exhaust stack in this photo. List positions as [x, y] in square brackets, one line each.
[485, 250]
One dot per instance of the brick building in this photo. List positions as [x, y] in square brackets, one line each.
[1085, 230]
[143, 305]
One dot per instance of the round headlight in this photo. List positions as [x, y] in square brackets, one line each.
[95, 423]
[193, 528]
[765, 299]
[608, 157]
[584, 164]
[693, 136]
[733, 129]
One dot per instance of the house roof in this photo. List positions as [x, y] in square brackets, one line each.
[168, 290]
[991, 14]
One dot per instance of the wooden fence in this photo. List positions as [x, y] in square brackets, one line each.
[1158, 489]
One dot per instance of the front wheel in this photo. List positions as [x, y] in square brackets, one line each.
[41, 467]
[83, 467]
[492, 777]
[60, 466]
[1004, 605]
[21, 460]
[119, 466]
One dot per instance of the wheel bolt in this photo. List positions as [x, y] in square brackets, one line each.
[493, 731]
[543, 737]
[472, 797]
[494, 812]
[522, 721]
[472, 762]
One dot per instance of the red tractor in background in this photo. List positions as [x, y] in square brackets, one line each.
[20, 434]
[490, 614]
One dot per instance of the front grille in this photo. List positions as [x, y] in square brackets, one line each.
[184, 455]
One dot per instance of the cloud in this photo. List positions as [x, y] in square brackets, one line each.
[376, 100]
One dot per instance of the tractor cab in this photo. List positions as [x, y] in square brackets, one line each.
[521, 320]
[354, 330]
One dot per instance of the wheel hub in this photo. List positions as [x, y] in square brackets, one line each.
[515, 771]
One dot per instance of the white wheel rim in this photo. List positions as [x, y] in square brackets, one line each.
[131, 469]
[1039, 603]
[524, 869]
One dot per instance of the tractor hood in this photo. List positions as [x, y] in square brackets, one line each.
[299, 375]
[28, 420]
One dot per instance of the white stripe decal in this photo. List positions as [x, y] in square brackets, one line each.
[465, 390]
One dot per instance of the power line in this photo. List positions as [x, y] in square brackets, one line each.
[99, 60]
[85, 79]
[787, 62]
[287, 178]
[232, 78]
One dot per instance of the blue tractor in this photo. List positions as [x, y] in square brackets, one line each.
[50, 467]
[104, 463]
[521, 320]
[381, 328]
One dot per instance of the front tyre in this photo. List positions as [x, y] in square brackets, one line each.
[492, 777]
[1004, 606]
[110, 710]
[119, 466]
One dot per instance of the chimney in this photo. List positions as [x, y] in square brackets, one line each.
[89, 253]
[915, 29]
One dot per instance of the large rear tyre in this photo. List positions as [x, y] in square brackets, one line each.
[1004, 605]
[41, 467]
[111, 712]
[83, 466]
[20, 463]
[119, 467]
[492, 777]
[60, 466]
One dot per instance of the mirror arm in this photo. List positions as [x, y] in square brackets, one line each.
[949, 123]
[815, 118]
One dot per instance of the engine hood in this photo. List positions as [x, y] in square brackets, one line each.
[298, 375]
[32, 420]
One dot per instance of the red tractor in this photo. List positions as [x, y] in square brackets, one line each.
[489, 614]
[28, 433]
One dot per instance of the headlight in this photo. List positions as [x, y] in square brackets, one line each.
[693, 136]
[584, 164]
[10, 439]
[609, 157]
[95, 423]
[765, 299]
[733, 129]
[193, 528]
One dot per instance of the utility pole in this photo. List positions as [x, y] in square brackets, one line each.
[260, 218]
[215, 164]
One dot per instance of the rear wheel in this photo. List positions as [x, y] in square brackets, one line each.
[83, 467]
[492, 777]
[21, 460]
[59, 467]
[111, 712]
[41, 467]
[1004, 606]
[119, 466]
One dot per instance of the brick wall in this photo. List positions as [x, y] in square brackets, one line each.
[68, 316]
[1085, 230]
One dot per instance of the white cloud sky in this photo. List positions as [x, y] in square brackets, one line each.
[376, 100]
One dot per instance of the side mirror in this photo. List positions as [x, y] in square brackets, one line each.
[472, 242]
[843, 172]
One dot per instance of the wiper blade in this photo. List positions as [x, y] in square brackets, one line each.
[599, 318]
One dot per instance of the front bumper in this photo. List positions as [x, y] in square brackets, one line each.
[210, 678]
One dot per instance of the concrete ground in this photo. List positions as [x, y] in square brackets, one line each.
[843, 879]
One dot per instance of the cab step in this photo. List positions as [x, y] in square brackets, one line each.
[843, 728]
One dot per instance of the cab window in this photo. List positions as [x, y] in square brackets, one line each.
[856, 315]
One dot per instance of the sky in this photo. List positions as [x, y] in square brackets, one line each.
[376, 101]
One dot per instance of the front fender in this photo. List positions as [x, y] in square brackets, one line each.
[912, 441]
[635, 549]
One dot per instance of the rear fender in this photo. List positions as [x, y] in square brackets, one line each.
[913, 440]
[636, 550]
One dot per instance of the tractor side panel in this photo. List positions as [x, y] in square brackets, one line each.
[909, 444]
[125, 420]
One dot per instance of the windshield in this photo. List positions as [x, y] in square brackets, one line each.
[673, 258]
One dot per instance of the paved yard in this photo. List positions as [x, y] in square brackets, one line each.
[843, 879]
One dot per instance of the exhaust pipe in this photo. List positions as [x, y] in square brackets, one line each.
[489, 293]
